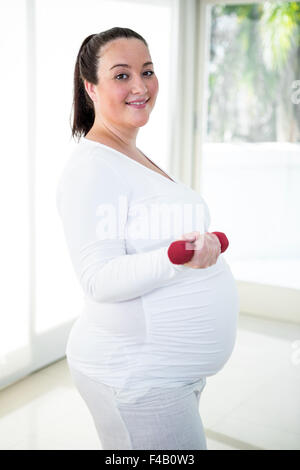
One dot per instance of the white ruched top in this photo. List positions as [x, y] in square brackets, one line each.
[145, 321]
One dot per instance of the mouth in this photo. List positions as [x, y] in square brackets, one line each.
[138, 104]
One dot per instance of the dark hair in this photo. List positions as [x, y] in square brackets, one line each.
[86, 68]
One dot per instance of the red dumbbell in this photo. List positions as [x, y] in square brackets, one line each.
[179, 255]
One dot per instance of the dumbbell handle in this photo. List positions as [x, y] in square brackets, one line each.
[179, 255]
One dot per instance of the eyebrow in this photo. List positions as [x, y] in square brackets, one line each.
[129, 66]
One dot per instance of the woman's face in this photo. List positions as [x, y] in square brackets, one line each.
[120, 84]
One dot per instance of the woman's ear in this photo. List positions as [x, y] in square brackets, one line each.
[90, 89]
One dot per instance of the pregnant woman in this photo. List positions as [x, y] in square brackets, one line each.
[150, 331]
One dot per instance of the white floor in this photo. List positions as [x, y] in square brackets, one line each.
[253, 403]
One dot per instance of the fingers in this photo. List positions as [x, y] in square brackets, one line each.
[190, 236]
[215, 246]
[206, 246]
[190, 239]
[219, 243]
[207, 250]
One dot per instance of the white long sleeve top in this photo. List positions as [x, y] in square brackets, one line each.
[145, 322]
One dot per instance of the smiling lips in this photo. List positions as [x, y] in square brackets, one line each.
[138, 104]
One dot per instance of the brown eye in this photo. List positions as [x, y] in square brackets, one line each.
[121, 74]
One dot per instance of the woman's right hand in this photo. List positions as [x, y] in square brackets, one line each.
[206, 246]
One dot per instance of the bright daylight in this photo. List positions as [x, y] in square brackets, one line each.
[150, 199]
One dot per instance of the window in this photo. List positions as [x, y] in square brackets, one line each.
[15, 299]
[251, 150]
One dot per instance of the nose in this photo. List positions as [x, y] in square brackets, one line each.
[138, 85]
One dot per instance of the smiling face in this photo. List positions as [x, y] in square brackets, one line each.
[120, 84]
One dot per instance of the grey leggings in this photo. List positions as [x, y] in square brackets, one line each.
[164, 419]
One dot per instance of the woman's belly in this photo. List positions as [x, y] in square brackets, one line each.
[174, 334]
[192, 324]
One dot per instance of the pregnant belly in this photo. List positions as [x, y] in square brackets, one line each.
[192, 323]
